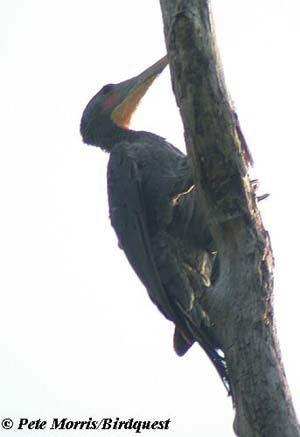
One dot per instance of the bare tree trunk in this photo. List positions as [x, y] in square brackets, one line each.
[240, 303]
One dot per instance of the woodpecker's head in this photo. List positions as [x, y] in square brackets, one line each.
[109, 112]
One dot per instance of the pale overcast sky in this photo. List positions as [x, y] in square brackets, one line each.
[80, 337]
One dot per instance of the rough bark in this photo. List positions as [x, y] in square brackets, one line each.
[240, 304]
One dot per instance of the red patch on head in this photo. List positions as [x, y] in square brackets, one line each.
[111, 101]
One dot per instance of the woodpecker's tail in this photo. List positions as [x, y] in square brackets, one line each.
[182, 345]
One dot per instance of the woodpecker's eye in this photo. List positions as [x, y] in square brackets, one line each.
[107, 88]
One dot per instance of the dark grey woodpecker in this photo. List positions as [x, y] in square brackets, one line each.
[154, 213]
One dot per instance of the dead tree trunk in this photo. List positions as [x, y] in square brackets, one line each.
[240, 303]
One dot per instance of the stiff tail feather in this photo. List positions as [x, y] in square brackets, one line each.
[182, 345]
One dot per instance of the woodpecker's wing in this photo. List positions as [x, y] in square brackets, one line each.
[128, 217]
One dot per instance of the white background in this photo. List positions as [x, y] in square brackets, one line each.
[79, 336]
